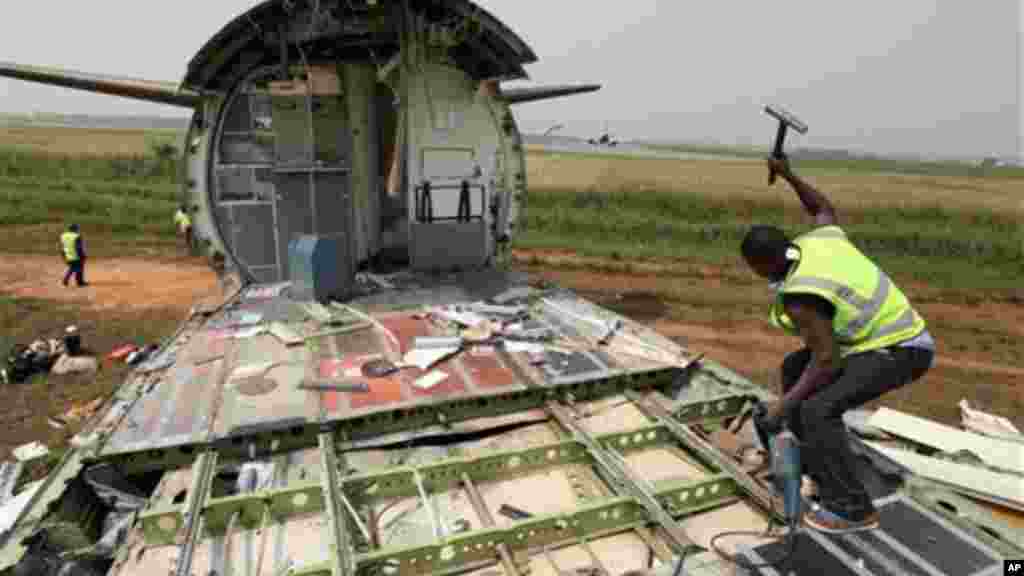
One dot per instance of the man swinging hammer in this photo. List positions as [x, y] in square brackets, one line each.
[862, 339]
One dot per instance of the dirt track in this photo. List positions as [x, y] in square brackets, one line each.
[718, 312]
[131, 283]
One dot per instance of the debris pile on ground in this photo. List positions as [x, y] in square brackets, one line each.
[48, 355]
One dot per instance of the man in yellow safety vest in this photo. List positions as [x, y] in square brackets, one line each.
[73, 250]
[862, 339]
[184, 224]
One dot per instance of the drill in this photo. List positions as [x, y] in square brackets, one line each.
[784, 457]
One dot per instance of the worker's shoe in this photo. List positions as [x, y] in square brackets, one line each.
[823, 520]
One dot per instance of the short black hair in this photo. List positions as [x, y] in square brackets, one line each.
[764, 242]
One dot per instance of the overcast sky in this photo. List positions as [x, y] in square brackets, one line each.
[906, 76]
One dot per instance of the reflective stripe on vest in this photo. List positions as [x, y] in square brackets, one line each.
[867, 308]
[861, 312]
[68, 240]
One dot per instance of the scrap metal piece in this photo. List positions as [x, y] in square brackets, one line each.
[513, 512]
[347, 386]
[378, 368]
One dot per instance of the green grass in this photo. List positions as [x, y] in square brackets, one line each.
[123, 203]
[119, 210]
[18, 163]
[955, 249]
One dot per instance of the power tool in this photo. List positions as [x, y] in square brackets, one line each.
[783, 450]
[784, 458]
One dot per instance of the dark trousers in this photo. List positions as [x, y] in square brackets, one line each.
[189, 240]
[76, 267]
[817, 421]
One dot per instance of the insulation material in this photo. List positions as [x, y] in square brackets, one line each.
[123, 500]
[995, 453]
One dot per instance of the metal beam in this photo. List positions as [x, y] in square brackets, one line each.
[342, 562]
[600, 518]
[160, 525]
[621, 480]
[704, 450]
[202, 478]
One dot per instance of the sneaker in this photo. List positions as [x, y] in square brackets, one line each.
[823, 520]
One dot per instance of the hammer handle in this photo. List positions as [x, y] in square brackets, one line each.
[780, 138]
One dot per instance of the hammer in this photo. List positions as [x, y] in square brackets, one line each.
[786, 120]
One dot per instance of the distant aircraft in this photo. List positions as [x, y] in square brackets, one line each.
[605, 139]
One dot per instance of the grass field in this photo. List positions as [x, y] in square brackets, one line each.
[951, 233]
[80, 142]
[956, 231]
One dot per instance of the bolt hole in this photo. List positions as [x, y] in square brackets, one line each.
[991, 532]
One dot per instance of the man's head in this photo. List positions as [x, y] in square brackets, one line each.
[764, 249]
[73, 227]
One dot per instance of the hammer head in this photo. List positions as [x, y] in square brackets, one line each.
[786, 118]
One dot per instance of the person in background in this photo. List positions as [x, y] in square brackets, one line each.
[184, 223]
[73, 250]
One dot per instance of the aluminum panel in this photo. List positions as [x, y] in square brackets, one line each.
[247, 148]
[333, 205]
[294, 205]
[931, 540]
[330, 129]
[254, 235]
[234, 184]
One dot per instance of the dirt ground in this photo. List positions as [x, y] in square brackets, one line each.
[130, 301]
[134, 284]
[716, 311]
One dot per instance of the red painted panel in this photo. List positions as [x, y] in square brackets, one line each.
[405, 328]
[382, 390]
[485, 370]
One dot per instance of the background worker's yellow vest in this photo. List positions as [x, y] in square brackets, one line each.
[182, 220]
[68, 240]
[871, 312]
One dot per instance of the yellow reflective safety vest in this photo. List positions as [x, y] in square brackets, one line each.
[68, 242]
[182, 220]
[871, 312]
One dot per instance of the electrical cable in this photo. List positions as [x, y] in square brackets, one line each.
[789, 538]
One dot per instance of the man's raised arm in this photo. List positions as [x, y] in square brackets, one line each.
[819, 207]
